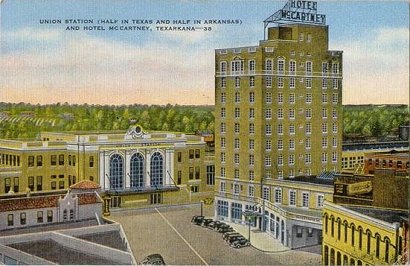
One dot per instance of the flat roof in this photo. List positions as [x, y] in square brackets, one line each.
[52, 251]
[390, 216]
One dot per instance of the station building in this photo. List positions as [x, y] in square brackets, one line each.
[133, 168]
[278, 119]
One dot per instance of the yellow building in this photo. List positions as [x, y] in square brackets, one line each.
[357, 235]
[278, 113]
[133, 168]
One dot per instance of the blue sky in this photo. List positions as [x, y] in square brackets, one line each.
[44, 63]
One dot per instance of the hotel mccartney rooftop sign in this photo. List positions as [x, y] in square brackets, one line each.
[297, 11]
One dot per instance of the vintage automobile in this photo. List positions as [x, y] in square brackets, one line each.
[234, 238]
[153, 259]
[241, 242]
[206, 221]
[197, 219]
[229, 234]
[215, 224]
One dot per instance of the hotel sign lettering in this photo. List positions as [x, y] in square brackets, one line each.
[301, 11]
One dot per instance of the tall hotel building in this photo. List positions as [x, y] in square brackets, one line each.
[279, 126]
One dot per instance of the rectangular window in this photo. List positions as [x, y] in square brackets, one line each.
[280, 97]
[91, 161]
[280, 144]
[179, 157]
[251, 64]
[266, 193]
[31, 161]
[291, 159]
[307, 143]
[16, 184]
[223, 67]
[292, 197]
[324, 142]
[191, 154]
[236, 174]
[223, 128]
[223, 187]
[61, 159]
[49, 216]
[23, 219]
[308, 158]
[251, 128]
[197, 153]
[10, 220]
[39, 160]
[268, 97]
[324, 128]
[309, 69]
[251, 97]
[61, 184]
[324, 97]
[308, 98]
[197, 172]
[251, 175]
[292, 129]
[334, 113]
[251, 159]
[237, 113]
[308, 83]
[222, 157]
[268, 81]
[292, 82]
[268, 66]
[53, 159]
[305, 199]
[291, 98]
[280, 113]
[268, 144]
[53, 185]
[223, 172]
[291, 144]
[280, 82]
[223, 97]
[210, 175]
[292, 113]
[39, 217]
[191, 173]
[335, 83]
[237, 127]
[334, 127]
[251, 113]
[324, 157]
[223, 83]
[237, 82]
[280, 129]
[268, 161]
[251, 144]
[280, 159]
[237, 97]
[268, 113]
[268, 130]
[251, 191]
[335, 68]
[179, 178]
[39, 183]
[308, 128]
[324, 69]
[236, 158]
[223, 142]
[324, 83]
[320, 200]
[324, 113]
[222, 208]
[334, 157]
[278, 195]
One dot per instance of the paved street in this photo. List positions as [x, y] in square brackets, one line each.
[168, 231]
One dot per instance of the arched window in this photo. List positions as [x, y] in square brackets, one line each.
[353, 232]
[326, 255]
[338, 258]
[325, 218]
[386, 251]
[332, 225]
[345, 231]
[360, 238]
[332, 257]
[157, 171]
[369, 236]
[377, 246]
[359, 263]
[339, 225]
[137, 171]
[116, 171]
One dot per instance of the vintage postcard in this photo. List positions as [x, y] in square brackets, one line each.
[189, 132]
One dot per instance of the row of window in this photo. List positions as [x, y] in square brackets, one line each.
[9, 159]
[280, 145]
[357, 232]
[280, 113]
[237, 67]
[268, 82]
[268, 128]
[388, 163]
[40, 217]
[192, 154]
[39, 184]
[280, 161]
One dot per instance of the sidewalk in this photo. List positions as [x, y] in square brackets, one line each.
[260, 240]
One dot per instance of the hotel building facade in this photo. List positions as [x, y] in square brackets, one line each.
[278, 109]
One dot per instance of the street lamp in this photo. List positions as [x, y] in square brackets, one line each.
[249, 216]
[202, 208]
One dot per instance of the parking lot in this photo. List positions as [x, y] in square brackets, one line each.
[169, 232]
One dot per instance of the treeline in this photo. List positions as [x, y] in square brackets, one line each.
[374, 120]
[27, 120]
[22, 120]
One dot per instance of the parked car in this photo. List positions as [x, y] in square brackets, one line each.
[153, 259]
[205, 222]
[228, 234]
[225, 229]
[215, 224]
[234, 238]
[197, 219]
[242, 242]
